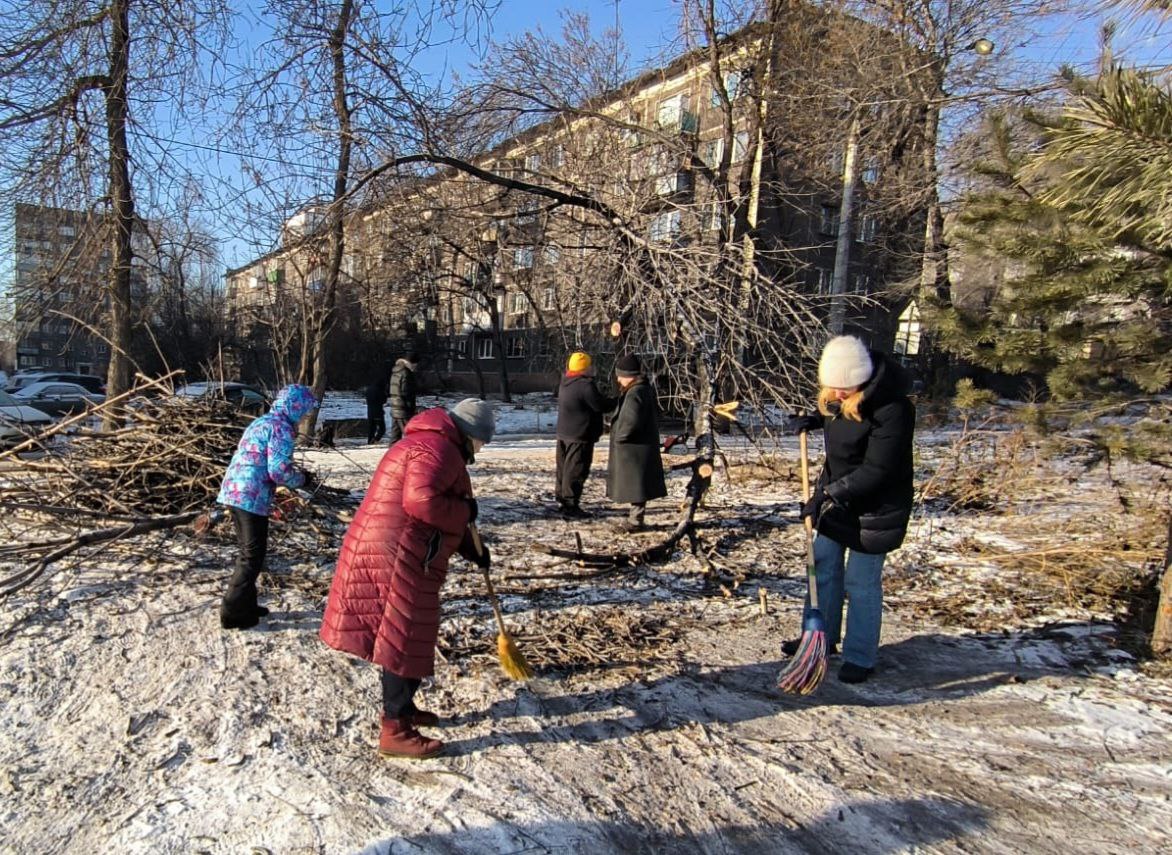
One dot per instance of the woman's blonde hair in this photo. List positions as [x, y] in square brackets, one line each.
[848, 407]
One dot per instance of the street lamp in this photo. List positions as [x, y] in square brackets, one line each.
[981, 47]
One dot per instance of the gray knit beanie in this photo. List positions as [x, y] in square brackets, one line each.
[475, 419]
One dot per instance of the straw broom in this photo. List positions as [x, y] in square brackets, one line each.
[513, 663]
[804, 672]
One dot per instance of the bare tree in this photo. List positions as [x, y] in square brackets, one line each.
[78, 76]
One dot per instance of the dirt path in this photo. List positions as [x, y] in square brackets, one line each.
[131, 723]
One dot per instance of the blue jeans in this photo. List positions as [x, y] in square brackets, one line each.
[860, 577]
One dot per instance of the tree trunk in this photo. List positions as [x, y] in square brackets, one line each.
[842, 252]
[1162, 632]
[337, 243]
[122, 208]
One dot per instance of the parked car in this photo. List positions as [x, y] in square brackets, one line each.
[88, 381]
[19, 421]
[19, 380]
[248, 398]
[57, 399]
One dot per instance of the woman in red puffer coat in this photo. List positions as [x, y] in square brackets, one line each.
[384, 603]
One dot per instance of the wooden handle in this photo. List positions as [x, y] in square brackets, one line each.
[478, 545]
[808, 520]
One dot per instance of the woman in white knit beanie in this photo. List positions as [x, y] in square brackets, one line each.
[862, 500]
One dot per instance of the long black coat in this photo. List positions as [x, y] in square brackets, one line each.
[634, 472]
[580, 409]
[868, 471]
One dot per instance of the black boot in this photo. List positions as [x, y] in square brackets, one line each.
[852, 673]
[789, 648]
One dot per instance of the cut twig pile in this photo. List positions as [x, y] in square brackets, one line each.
[168, 460]
[593, 638]
[158, 472]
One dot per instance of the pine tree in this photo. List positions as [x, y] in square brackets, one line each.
[1085, 302]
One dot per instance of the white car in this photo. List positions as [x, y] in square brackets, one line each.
[18, 421]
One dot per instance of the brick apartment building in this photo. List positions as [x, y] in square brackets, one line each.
[502, 299]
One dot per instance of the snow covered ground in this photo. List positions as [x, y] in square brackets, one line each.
[131, 723]
[528, 414]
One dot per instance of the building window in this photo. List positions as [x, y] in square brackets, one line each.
[829, 223]
[462, 347]
[471, 305]
[557, 157]
[550, 255]
[484, 348]
[713, 152]
[516, 347]
[67, 231]
[543, 346]
[868, 227]
[871, 172]
[740, 146]
[907, 336]
[549, 298]
[532, 162]
[861, 283]
[667, 114]
[732, 85]
[713, 216]
[523, 258]
[824, 280]
[518, 303]
[665, 226]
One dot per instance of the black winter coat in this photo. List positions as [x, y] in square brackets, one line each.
[868, 471]
[580, 409]
[376, 392]
[634, 472]
[403, 390]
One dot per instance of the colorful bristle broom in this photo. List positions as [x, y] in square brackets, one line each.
[806, 669]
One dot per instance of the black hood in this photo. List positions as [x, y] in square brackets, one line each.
[888, 383]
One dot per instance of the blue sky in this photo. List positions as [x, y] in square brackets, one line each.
[650, 30]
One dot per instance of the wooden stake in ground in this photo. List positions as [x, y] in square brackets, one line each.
[512, 662]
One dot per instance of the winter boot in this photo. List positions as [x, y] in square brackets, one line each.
[419, 718]
[574, 512]
[852, 673]
[399, 739]
[789, 648]
[235, 619]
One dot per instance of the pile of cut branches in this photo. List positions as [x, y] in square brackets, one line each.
[160, 471]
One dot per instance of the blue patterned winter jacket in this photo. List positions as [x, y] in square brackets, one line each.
[264, 458]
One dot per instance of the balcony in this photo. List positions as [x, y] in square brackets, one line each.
[678, 122]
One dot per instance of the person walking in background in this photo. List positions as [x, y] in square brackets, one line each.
[862, 500]
[376, 398]
[580, 410]
[262, 462]
[403, 390]
[384, 603]
[634, 472]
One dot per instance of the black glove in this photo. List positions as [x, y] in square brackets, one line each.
[473, 509]
[484, 559]
[815, 507]
[311, 482]
[804, 424]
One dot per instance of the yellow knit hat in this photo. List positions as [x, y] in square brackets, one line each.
[579, 361]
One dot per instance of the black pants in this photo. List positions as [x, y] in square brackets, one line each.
[376, 422]
[398, 695]
[252, 537]
[398, 425]
[573, 467]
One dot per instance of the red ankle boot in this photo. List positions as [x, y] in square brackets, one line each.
[400, 739]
